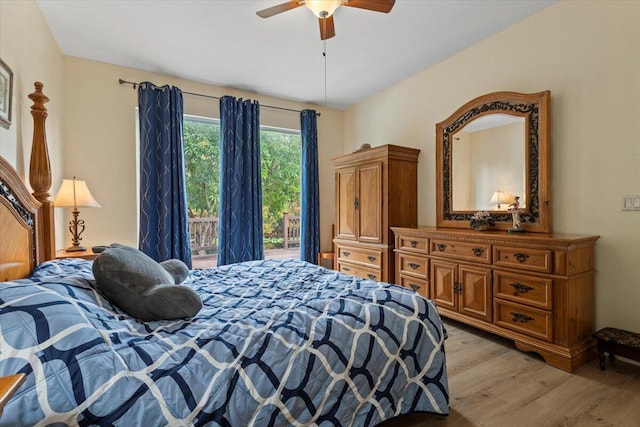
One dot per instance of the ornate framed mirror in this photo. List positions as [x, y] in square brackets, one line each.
[492, 149]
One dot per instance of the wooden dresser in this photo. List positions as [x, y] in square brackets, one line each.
[375, 188]
[536, 289]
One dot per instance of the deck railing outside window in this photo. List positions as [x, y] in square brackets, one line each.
[204, 234]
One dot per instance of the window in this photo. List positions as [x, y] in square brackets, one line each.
[202, 165]
[281, 157]
[280, 152]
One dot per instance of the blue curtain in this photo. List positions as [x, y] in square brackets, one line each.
[240, 215]
[310, 193]
[164, 222]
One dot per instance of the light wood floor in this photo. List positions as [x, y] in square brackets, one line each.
[491, 383]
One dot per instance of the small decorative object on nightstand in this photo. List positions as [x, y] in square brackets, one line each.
[86, 254]
[8, 386]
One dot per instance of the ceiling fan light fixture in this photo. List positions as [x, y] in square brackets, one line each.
[322, 8]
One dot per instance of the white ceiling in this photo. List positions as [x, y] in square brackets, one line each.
[224, 42]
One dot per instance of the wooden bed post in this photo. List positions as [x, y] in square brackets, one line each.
[40, 172]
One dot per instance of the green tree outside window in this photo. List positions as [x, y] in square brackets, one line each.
[281, 156]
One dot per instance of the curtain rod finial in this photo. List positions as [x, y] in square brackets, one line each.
[122, 82]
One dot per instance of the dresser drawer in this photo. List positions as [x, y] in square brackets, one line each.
[413, 265]
[420, 286]
[530, 290]
[414, 244]
[530, 259]
[477, 252]
[521, 318]
[360, 271]
[365, 256]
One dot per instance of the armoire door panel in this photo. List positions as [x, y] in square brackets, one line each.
[346, 227]
[369, 205]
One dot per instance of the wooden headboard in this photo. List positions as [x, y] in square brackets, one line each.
[26, 220]
[20, 223]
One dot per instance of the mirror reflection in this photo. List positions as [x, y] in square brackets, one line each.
[488, 163]
[507, 161]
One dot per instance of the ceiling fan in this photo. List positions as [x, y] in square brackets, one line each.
[324, 9]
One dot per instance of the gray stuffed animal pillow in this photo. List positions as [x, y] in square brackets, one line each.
[142, 287]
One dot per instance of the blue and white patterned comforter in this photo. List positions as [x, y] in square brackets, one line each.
[277, 342]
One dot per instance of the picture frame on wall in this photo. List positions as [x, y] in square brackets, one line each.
[6, 94]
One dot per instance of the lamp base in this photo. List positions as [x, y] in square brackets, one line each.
[75, 248]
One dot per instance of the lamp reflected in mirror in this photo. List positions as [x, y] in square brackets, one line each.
[75, 194]
[498, 199]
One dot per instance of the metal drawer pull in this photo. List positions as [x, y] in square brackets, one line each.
[414, 265]
[441, 246]
[371, 258]
[346, 269]
[519, 317]
[345, 253]
[477, 251]
[413, 243]
[372, 276]
[414, 287]
[520, 288]
[521, 257]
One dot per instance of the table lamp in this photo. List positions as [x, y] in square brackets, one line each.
[75, 194]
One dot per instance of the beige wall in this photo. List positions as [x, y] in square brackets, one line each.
[29, 49]
[586, 53]
[100, 141]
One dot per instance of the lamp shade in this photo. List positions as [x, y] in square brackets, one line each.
[320, 6]
[75, 193]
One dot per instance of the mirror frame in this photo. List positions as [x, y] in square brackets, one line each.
[535, 108]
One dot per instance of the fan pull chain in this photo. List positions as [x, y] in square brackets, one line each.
[324, 54]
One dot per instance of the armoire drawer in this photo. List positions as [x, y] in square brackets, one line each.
[477, 252]
[360, 271]
[520, 288]
[365, 256]
[526, 258]
[525, 319]
[420, 286]
[413, 265]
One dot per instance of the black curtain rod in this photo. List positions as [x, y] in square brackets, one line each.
[135, 85]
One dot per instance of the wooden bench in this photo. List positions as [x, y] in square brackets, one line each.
[616, 341]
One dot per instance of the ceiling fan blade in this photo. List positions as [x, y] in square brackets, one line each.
[327, 30]
[279, 8]
[384, 6]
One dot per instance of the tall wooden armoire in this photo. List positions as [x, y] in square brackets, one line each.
[376, 188]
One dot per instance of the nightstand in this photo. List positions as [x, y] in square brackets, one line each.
[86, 254]
[8, 386]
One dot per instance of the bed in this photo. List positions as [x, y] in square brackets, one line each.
[277, 342]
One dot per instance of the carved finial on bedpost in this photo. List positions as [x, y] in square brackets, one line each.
[40, 171]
